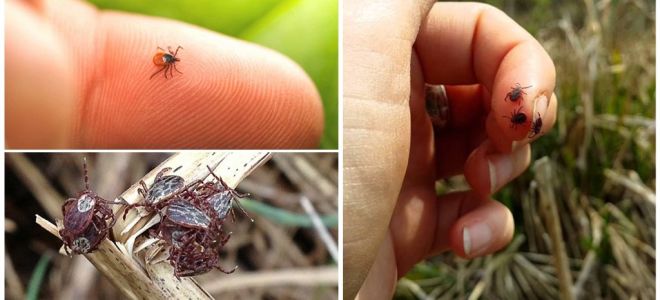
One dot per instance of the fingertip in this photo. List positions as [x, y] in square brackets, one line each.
[525, 74]
[482, 231]
[40, 91]
[232, 94]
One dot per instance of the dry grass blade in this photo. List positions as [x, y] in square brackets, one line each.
[631, 184]
[327, 276]
[47, 196]
[323, 232]
[543, 173]
[134, 275]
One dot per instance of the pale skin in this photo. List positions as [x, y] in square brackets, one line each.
[392, 216]
[77, 77]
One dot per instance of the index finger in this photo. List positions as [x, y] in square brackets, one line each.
[468, 43]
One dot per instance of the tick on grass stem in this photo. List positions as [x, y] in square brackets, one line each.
[85, 219]
[517, 118]
[166, 60]
[516, 93]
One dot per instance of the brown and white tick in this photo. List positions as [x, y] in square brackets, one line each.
[85, 219]
[165, 189]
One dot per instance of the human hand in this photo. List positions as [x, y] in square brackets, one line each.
[392, 157]
[79, 78]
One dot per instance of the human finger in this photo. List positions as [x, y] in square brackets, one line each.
[39, 111]
[468, 43]
[482, 231]
[232, 94]
[488, 170]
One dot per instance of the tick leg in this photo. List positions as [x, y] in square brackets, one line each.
[177, 50]
[171, 73]
[174, 65]
[154, 74]
[160, 174]
[161, 49]
[238, 203]
[167, 67]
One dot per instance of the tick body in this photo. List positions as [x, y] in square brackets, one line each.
[536, 126]
[516, 93]
[165, 189]
[517, 118]
[166, 60]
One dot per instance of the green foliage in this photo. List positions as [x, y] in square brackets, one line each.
[38, 277]
[303, 30]
[285, 217]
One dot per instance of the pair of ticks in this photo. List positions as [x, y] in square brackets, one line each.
[166, 60]
[519, 118]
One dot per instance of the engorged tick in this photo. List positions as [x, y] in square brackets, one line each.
[516, 93]
[166, 60]
[536, 126]
[516, 118]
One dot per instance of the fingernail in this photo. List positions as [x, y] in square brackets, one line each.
[476, 239]
[499, 167]
[540, 106]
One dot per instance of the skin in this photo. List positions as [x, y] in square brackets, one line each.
[77, 77]
[392, 158]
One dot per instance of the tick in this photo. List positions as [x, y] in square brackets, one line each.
[164, 189]
[516, 118]
[516, 93]
[536, 126]
[166, 60]
[85, 219]
[221, 197]
[194, 245]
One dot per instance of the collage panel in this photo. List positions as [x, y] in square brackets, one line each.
[193, 225]
[499, 149]
[171, 75]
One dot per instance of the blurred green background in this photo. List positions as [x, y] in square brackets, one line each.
[591, 184]
[303, 30]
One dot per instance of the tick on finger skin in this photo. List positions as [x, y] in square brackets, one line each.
[536, 126]
[516, 93]
[516, 118]
[166, 60]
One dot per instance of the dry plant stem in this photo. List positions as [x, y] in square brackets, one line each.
[131, 274]
[590, 261]
[321, 276]
[13, 287]
[318, 224]
[637, 187]
[48, 197]
[308, 179]
[118, 268]
[543, 174]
